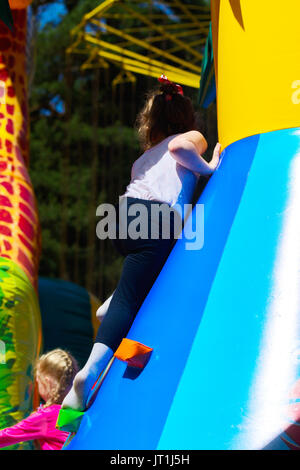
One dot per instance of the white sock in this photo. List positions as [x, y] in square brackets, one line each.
[101, 312]
[86, 377]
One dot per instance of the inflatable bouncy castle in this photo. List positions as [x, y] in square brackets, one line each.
[20, 323]
[223, 317]
[68, 313]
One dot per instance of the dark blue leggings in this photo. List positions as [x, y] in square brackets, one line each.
[144, 259]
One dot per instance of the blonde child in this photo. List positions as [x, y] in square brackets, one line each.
[54, 374]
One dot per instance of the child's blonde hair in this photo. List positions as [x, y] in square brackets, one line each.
[60, 366]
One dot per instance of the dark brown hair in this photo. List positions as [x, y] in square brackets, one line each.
[166, 112]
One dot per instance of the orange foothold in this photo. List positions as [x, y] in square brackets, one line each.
[135, 354]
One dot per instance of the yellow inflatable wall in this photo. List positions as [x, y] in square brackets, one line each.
[257, 88]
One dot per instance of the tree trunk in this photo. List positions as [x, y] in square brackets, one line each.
[91, 236]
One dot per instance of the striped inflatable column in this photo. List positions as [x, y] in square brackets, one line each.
[20, 329]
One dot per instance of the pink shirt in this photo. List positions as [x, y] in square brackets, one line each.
[39, 425]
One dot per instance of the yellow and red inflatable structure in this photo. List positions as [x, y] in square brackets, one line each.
[20, 324]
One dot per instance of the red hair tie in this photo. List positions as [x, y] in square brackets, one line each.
[163, 79]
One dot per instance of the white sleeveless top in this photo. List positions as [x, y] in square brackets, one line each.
[156, 175]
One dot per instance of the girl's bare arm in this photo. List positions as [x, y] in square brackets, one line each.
[187, 148]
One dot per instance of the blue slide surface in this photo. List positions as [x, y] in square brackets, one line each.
[222, 327]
